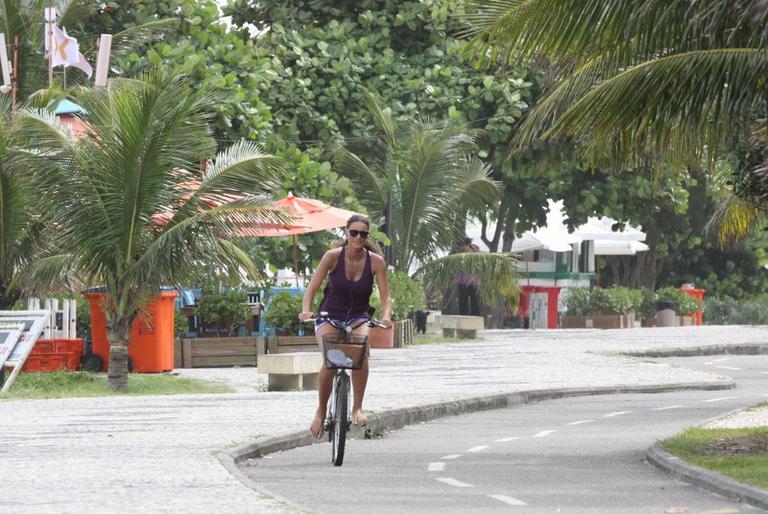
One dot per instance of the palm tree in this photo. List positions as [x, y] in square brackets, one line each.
[26, 19]
[424, 171]
[122, 203]
[18, 229]
[635, 78]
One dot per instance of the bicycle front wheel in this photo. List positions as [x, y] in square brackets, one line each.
[339, 421]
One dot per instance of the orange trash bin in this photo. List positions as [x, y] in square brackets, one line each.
[151, 347]
[698, 315]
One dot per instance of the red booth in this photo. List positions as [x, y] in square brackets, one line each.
[552, 293]
[151, 348]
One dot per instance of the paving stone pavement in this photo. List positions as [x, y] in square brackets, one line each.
[157, 454]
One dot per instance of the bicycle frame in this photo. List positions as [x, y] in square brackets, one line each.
[338, 420]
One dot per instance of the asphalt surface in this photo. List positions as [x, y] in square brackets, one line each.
[581, 455]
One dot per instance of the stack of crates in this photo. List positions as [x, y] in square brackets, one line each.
[54, 354]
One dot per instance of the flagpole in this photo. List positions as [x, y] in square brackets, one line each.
[15, 83]
[48, 17]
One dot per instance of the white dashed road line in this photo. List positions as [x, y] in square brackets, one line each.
[580, 422]
[451, 457]
[719, 399]
[544, 433]
[507, 439]
[436, 466]
[475, 449]
[508, 500]
[619, 413]
[453, 482]
[730, 368]
[668, 407]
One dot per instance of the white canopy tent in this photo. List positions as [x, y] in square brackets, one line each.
[603, 247]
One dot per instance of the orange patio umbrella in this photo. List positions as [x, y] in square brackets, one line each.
[308, 216]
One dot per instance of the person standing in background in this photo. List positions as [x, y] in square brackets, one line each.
[469, 301]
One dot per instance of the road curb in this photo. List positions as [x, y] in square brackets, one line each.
[698, 351]
[379, 423]
[706, 479]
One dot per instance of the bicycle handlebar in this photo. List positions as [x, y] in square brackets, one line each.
[371, 322]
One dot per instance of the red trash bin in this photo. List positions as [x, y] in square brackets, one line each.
[698, 315]
[151, 348]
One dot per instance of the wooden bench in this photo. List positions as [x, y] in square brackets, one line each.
[463, 327]
[291, 371]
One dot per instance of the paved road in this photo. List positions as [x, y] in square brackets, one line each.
[581, 455]
[159, 453]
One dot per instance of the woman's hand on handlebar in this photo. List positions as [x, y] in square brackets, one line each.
[304, 316]
[385, 323]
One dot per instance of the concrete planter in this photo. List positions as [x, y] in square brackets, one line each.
[601, 321]
[381, 337]
[218, 352]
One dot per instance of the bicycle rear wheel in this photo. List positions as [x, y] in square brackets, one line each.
[339, 421]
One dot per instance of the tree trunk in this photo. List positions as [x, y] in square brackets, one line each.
[119, 336]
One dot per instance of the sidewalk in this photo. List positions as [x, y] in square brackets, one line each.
[157, 454]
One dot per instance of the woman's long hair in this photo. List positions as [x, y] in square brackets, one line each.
[370, 244]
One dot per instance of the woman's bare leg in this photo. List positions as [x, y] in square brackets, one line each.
[324, 385]
[359, 381]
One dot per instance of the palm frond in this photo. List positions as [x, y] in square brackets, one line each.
[667, 106]
[372, 185]
[72, 12]
[243, 167]
[46, 274]
[506, 31]
[496, 272]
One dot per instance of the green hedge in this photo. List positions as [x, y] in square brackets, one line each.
[582, 301]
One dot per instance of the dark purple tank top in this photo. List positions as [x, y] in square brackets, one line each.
[344, 299]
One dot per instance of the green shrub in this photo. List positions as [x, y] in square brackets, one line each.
[686, 303]
[720, 311]
[223, 312]
[282, 313]
[578, 301]
[616, 300]
[647, 307]
[407, 295]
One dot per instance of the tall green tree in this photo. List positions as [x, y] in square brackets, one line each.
[427, 175]
[18, 228]
[124, 204]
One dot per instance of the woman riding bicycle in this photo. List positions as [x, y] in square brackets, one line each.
[351, 270]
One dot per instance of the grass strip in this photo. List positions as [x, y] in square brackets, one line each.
[437, 339]
[81, 384]
[739, 453]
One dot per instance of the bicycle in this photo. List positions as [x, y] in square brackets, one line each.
[342, 352]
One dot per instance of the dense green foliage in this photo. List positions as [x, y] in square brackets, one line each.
[407, 295]
[729, 311]
[685, 303]
[282, 313]
[223, 312]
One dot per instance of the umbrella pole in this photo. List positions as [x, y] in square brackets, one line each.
[296, 260]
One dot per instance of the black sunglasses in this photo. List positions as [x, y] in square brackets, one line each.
[355, 233]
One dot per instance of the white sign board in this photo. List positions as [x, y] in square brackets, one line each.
[9, 336]
[33, 323]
